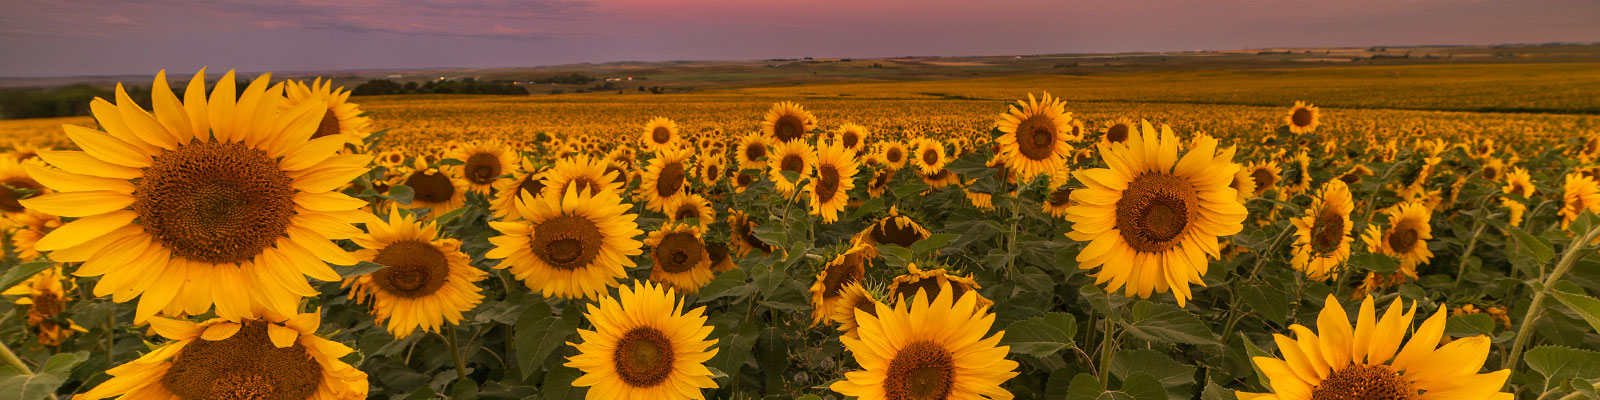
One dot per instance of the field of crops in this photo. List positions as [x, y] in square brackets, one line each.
[1404, 232]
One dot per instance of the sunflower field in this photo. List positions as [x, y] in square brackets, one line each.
[278, 240]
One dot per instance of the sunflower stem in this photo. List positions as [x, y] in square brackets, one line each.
[455, 353]
[1106, 352]
[1574, 252]
[12, 360]
[1461, 270]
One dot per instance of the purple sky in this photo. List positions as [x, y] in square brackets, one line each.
[108, 37]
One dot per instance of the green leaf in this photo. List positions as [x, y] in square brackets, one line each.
[1267, 301]
[910, 187]
[1575, 299]
[1142, 386]
[1560, 363]
[1041, 336]
[933, 243]
[558, 384]
[361, 268]
[1168, 324]
[1581, 385]
[1251, 352]
[1378, 263]
[22, 272]
[45, 381]
[464, 389]
[1469, 325]
[1085, 386]
[401, 194]
[1214, 392]
[445, 218]
[895, 256]
[1159, 365]
[538, 333]
[728, 284]
[452, 162]
[1531, 245]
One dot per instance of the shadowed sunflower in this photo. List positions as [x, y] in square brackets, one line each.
[30, 227]
[527, 180]
[879, 182]
[1153, 219]
[659, 134]
[1118, 131]
[438, 190]
[666, 179]
[829, 190]
[844, 269]
[904, 287]
[342, 118]
[1579, 193]
[893, 153]
[691, 206]
[929, 347]
[1369, 362]
[894, 229]
[787, 121]
[1265, 176]
[853, 296]
[255, 358]
[1298, 178]
[1075, 131]
[484, 163]
[1407, 236]
[1035, 133]
[753, 152]
[573, 246]
[742, 236]
[217, 201]
[46, 297]
[679, 254]
[1302, 118]
[939, 179]
[928, 155]
[797, 157]
[709, 167]
[1060, 198]
[17, 185]
[853, 137]
[425, 281]
[586, 174]
[1322, 236]
[721, 260]
[644, 346]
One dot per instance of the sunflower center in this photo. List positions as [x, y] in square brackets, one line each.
[482, 168]
[868, 306]
[9, 196]
[431, 186]
[1301, 117]
[930, 157]
[644, 357]
[413, 269]
[923, 370]
[45, 305]
[1328, 232]
[1364, 382]
[1036, 137]
[881, 179]
[1117, 133]
[842, 273]
[895, 232]
[243, 366]
[744, 179]
[679, 252]
[1060, 197]
[1154, 210]
[1403, 239]
[850, 139]
[827, 182]
[1491, 172]
[582, 184]
[329, 125]
[685, 211]
[788, 128]
[567, 242]
[929, 285]
[670, 182]
[621, 177]
[792, 163]
[717, 251]
[1350, 178]
[755, 152]
[530, 185]
[660, 135]
[1263, 178]
[215, 202]
[893, 155]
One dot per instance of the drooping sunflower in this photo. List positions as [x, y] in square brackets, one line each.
[425, 281]
[573, 246]
[853, 137]
[894, 229]
[928, 155]
[1265, 175]
[439, 190]
[341, 118]
[1579, 193]
[185, 207]
[742, 236]
[666, 179]
[787, 121]
[1322, 236]
[797, 157]
[834, 177]
[1152, 219]
[660, 134]
[753, 152]
[1035, 134]
[1369, 362]
[1407, 236]
[893, 153]
[1302, 118]
[906, 286]
[527, 180]
[1298, 178]
[1118, 131]
[679, 254]
[879, 182]
[940, 179]
[270, 357]
[644, 346]
[846, 268]
[46, 296]
[1060, 197]
[852, 296]
[692, 206]
[484, 164]
[15, 184]
[928, 347]
[582, 172]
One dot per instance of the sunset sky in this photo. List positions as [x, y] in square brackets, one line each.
[107, 37]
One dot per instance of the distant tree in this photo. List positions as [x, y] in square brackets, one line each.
[411, 87]
[378, 87]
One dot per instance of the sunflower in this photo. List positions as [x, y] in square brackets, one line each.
[939, 179]
[797, 157]
[484, 163]
[1035, 134]
[753, 152]
[438, 190]
[1060, 197]
[691, 206]
[527, 180]
[582, 172]
[644, 346]
[742, 236]
[391, 158]
[1299, 177]
[929, 347]
[853, 137]
[571, 246]
[1406, 238]
[659, 134]
[893, 154]
[18, 184]
[844, 269]
[1579, 193]
[205, 197]
[1369, 362]
[24, 151]
[424, 282]
[835, 176]
[879, 182]
[1322, 236]
[1265, 175]
[341, 118]
[666, 179]
[928, 156]
[1302, 118]
[268, 358]
[721, 261]
[787, 121]
[852, 296]
[894, 229]
[906, 286]
[30, 227]
[1518, 182]
[679, 254]
[709, 166]
[46, 297]
[1075, 130]
[1152, 218]
[1118, 131]
[1353, 176]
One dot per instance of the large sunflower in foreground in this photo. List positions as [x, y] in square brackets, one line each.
[680, 259]
[660, 134]
[1322, 236]
[1369, 361]
[1407, 236]
[207, 201]
[255, 358]
[929, 347]
[666, 179]
[829, 189]
[644, 346]
[342, 118]
[787, 121]
[483, 164]
[425, 281]
[845, 268]
[797, 157]
[1152, 219]
[573, 246]
[1302, 118]
[1035, 136]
